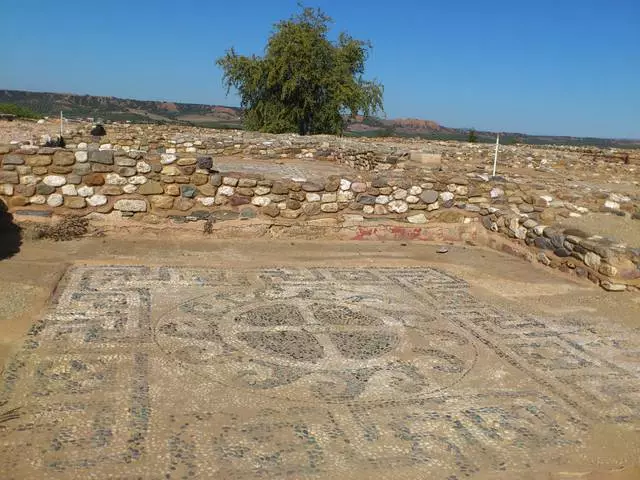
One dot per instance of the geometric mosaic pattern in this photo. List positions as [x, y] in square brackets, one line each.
[158, 372]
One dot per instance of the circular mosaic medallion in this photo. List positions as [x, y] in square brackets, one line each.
[299, 349]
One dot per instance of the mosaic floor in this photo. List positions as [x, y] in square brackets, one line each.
[163, 373]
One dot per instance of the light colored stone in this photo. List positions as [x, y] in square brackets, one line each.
[260, 190]
[418, 218]
[382, 199]
[368, 209]
[171, 170]
[313, 197]
[138, 180]
[400, 194]
[69, 190]
[613, 287]
[412, 199]
[345, 184]
[592, 260]
[226, 190]
[85, 191]
[359, 187]
[206, 201]
[231, 181]
[114, 179]
[129, 188]
[496, 192]
[446, 196]
[380, 210]
[54, 180]
[55, 200]
[167, 158]
[329, 198]
[38, 200]
[81, 156]
[433, 206]
[260, 201]
[97, 200]
[6, 189]
[143, 167]
[345, 196]
[32, 180]
[82, 146]
[329, 207]
[130, 205]
[106, 146]
[398, 206]
[415, 190]
[611, 204]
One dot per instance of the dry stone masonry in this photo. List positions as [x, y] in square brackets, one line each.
[164, 173]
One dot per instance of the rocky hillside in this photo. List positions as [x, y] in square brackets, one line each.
[120, 109]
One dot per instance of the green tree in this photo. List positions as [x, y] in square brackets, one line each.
[18, 111]
[473, 138]
[304, 83]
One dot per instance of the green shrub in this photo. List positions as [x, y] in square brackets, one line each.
[17, 110]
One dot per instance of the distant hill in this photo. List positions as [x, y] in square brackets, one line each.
[121, 110]
[217, 116]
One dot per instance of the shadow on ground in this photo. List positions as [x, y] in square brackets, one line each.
[10, 234]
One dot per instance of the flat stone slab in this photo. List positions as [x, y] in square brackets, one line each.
[162, 372]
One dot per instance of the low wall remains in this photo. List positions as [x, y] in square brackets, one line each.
[185, 186]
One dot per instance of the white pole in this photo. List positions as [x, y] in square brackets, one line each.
[495, 158]
[61, 123]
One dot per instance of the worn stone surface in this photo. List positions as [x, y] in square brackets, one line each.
[413, 351]
[130, 205]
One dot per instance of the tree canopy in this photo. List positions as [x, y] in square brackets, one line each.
[305, 82]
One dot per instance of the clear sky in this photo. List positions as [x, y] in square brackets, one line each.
[562, 67]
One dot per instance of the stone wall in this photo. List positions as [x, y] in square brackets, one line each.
[182, 185]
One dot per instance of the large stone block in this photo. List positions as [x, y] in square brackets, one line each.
[130, 205]
[104, 157]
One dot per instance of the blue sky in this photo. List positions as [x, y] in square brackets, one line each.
[558, 67]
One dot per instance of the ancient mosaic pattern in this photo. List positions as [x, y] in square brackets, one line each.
[140, 372]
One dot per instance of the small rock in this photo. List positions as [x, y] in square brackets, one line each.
[54, 180]
[418, 218]
[130, 205]
[442, 250]
[55, 200]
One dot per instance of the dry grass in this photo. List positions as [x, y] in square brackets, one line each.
[69, 228]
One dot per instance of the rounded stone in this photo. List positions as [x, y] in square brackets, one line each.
[69, 190]
[143, 167]
[115, 179]
[129, 188]
[97, 200]
[167, 158]
[54, 180]
[38, 200]
[74, 202]
[359, 187]
[397, 206]
[261, 201]
[85, 191]
[429, 196]
[44, 189]
[329, 207]
[55, 200]
[81, 156]
[418, 218]
[94, 179]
